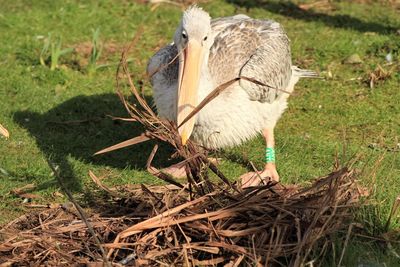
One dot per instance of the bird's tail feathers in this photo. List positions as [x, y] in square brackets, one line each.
[301, 73]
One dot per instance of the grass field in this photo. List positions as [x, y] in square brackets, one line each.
[61, 114]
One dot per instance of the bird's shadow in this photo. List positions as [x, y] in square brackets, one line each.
[80, 127]
[289, 9]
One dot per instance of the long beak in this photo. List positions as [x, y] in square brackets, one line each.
[189, 77]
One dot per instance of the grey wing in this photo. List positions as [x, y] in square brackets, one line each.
[163, 66]
[257, 49]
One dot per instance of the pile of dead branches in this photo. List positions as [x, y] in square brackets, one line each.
[198, 222]
[165, 226]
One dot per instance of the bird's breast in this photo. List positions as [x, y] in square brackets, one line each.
[230, 119]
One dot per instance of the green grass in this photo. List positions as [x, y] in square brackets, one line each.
[338, 115]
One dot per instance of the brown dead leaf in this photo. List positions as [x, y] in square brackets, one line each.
[362, 191]
[23, 190]
[57, 194]
[323, 5]
[378, 75]
[4, 131]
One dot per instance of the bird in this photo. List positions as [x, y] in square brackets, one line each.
[206, 53]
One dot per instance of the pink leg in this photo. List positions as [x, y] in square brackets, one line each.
[269, 172]
[270, 168]
[178, 170]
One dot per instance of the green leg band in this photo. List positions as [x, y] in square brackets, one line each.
[269, 155]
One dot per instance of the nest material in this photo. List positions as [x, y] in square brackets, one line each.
[199, 222]
[164, 226]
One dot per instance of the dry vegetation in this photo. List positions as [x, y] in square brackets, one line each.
[168, 225]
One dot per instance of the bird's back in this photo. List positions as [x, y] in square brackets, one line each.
[252, 48]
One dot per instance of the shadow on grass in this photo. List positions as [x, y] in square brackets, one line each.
[80, 127]
[292, 10]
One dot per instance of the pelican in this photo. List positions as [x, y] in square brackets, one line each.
[211, 52]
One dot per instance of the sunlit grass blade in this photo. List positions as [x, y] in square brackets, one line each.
[95, 53]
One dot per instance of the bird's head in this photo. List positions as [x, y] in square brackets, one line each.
[193, 38]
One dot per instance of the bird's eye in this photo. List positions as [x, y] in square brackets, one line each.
[205, 38]
[184, 36]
